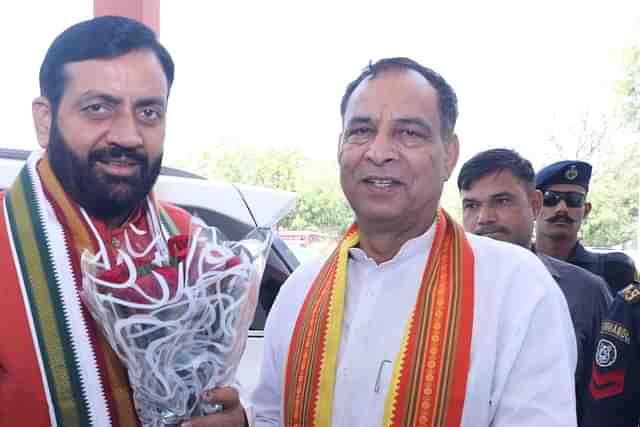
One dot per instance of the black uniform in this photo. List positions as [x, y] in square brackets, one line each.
[588, 299]
[614, 390]
[616, 268]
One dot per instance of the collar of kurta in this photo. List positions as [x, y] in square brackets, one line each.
[428, 386]
[83, 381]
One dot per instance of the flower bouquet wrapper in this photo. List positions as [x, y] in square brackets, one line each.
[178, 323]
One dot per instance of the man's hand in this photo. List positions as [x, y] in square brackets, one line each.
[232, 414]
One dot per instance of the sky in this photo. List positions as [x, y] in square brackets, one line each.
[272, 73]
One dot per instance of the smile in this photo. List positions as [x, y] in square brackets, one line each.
[381, 182]
[118, 167]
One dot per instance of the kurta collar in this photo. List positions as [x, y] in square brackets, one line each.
[409, 248]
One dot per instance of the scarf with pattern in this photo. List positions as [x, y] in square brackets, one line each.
[84, 382]
[428, 385]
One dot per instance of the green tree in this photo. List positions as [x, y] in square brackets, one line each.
[614, 194]
[629, 87]
[320, 205]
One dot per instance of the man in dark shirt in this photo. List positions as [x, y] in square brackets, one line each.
[499, 200]
[615, 381]
[564, 186]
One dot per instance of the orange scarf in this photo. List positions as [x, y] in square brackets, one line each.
[429, 380]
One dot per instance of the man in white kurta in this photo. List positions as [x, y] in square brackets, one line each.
[499, 349]
[522, 352]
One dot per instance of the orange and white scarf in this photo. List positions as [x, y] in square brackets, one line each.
[82, 383]
[429, 380]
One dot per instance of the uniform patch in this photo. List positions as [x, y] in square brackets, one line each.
[606, 384]
[631, 293]
[616, 330]
[606, 353]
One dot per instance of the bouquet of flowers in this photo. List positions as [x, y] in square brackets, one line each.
[179, 323]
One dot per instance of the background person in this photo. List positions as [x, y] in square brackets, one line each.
[564, 186]
[499, 200]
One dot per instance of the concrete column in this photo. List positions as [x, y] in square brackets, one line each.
[145, 11]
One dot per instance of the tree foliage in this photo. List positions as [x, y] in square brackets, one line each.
[614, 190]
[615, 196]
[320, 205]
[629, 87]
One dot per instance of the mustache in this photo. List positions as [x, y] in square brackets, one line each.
[560, 218]
[117, 152]
[490, 229]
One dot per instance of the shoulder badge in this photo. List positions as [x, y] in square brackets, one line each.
[606, 353]
[571, 173]
[631, 293]
[616, 330]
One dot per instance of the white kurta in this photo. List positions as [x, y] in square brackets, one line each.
[523, 349]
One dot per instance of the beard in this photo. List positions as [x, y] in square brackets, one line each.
[103, 196]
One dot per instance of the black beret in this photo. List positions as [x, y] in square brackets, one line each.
[564, 172]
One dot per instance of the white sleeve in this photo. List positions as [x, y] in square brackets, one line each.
[267, 396]
[537, 358]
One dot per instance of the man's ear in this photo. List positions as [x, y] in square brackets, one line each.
[587, 209]
[42, 119]
[536, 202]
[339, 147]
[452, 150]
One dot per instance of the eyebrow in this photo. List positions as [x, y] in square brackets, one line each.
[116, 100]
[469, 199]
[357, 120]
[501, 194]
[491, 197]
[152, 100]
[91, 94]
[413, 121]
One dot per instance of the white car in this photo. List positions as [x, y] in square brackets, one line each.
[235, 210]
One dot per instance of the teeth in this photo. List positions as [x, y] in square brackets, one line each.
[380, 182]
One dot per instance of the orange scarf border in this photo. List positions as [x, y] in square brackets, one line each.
[429, 386]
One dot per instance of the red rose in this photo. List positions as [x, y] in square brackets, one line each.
[232, 262]
[148, 283]
[178, 247]
[118, 274]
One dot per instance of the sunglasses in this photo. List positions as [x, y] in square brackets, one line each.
[573, 199]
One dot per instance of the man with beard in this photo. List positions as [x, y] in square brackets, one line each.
[411, 321]
[499, 200]
[564, 187]
[101, 120]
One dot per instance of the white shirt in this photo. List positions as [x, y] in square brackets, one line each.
[523, 348]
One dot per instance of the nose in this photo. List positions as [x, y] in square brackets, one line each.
[124, 131]
[486, 214]
[382, 150]
[562, 206]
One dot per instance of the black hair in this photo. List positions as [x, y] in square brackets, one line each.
[98, 38]
[447, 99]
[496, 160]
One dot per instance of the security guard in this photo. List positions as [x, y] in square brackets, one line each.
[615, 379]
[564, 186]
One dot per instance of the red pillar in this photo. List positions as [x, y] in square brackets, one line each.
[145, 11]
